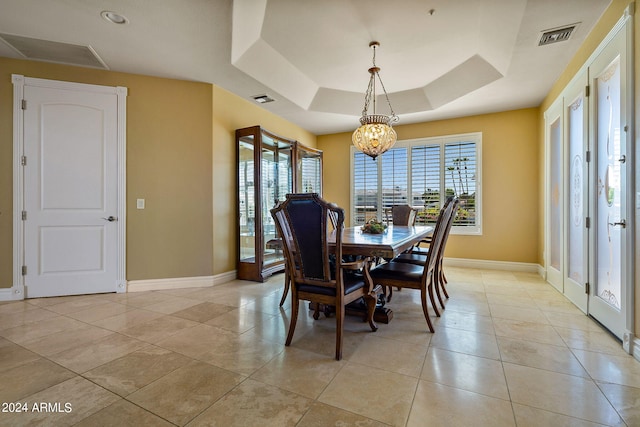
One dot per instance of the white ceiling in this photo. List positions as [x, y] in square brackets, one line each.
[312, 56]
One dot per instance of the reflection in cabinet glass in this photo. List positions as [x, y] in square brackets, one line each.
[265, 176]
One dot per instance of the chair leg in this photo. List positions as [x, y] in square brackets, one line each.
[437, 285]
[425, 310]
[371, 300]
[286, 288]
[339, 328]
[430, 280]
[389, 294]
[295, 304]
[443, 280]
[316, 311]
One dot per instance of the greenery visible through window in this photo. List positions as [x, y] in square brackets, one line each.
[421, 173]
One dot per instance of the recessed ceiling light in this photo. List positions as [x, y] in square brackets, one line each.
[114, 17]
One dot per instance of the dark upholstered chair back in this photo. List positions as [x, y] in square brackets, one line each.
[305, 222]
[437, 238]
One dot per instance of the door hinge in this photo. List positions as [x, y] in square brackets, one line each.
[24, 215]
[626, 128]
[587, 90]
[24, 270]
[588, 156]
[587, 288]
[588, 222]
[24, 104]
[23, 160]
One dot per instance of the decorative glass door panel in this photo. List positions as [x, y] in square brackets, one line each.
[609, 187]
[555, 216]
[554, 242]
[612, 283]
[576, 271]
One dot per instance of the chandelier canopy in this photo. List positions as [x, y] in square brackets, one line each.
[375, 134]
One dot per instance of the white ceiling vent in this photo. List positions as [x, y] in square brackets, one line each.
[46, 50]
[557, 35]
[263, 99]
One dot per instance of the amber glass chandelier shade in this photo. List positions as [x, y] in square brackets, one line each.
[374, 137]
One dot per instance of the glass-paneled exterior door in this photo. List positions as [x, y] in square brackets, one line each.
[608, 302]
[576, 189]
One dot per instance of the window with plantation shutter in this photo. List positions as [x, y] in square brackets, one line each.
[365, 188]
[425, 173]
[421, 173]
[394, 177]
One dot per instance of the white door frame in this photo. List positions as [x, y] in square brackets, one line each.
[19, 82]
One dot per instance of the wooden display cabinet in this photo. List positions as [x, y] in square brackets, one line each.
[268, 167]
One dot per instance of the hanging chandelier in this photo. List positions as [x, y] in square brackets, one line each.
[376, 134]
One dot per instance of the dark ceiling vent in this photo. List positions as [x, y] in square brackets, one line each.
[263, 99]
[557, 35]
[46, 50]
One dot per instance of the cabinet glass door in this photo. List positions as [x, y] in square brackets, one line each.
[276, 182]
[246, 193]
[309, 170]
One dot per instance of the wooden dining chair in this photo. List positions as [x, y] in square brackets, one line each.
[419, 257]
[333, 217]
[315, 268]
[415, 276]
[401, 215]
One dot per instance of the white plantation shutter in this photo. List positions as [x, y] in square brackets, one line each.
[421, 173]
[460, 162]
[394, 177]
[365, 188]
[426, 182]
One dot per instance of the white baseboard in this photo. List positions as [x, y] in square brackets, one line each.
[635, 350]
[221, 278]
[492, 265]
[173, 283]
[180, 282]
[7, 294]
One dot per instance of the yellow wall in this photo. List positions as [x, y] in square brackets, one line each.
[180, 159]
[509, 181]
[168, 164]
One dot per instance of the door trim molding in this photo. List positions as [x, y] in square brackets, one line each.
[19, 81]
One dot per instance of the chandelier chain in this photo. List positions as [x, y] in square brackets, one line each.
[371, 91]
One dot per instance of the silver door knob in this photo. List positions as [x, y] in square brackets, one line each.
[110, 219]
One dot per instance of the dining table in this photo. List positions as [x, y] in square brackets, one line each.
[393, 241]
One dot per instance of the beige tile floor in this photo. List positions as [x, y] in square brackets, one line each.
[508, 350]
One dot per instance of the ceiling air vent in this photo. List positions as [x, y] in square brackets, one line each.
[262, 99]
[47, 50]
[557, 35]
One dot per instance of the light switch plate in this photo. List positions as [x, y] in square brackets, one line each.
[140, 203]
